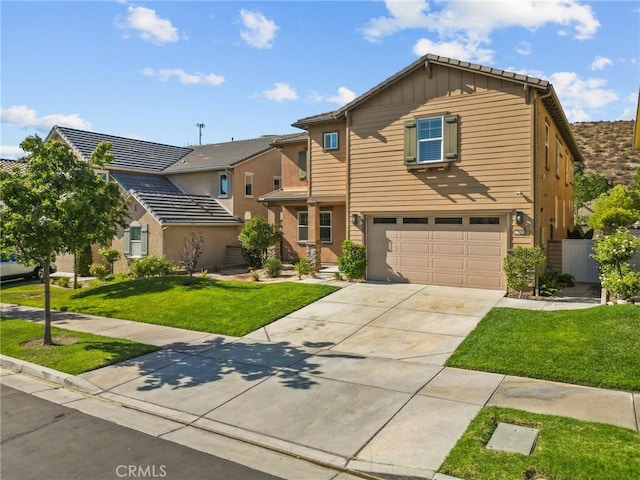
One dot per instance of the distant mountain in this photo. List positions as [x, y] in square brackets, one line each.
[607, 148]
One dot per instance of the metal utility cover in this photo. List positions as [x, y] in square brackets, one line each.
[513, 438]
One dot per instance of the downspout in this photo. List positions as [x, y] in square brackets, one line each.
[536, 291]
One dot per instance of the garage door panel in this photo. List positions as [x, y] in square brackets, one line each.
[455, 255]
[484, 250]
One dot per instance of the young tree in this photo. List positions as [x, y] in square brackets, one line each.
[111, 255]
[588, 186]
[258, 235]
[57, 205]
[619, 207]
[191, 251]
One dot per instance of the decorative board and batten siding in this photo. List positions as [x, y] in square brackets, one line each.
[328, 168]
[494, 154]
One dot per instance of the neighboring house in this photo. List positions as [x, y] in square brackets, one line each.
[9, 165]
[172, 191]
[440, 170]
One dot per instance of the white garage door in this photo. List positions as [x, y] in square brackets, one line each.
[465, 251]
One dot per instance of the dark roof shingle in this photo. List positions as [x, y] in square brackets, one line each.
[185, 209]
[129, 154]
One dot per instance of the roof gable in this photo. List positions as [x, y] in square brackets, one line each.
[129, 154]
[222, 155]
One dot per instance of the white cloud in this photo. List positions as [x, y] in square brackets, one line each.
[524, 48]
[342, 97]
[11, 151]
[149, 25]
[579, 96]
[258, 30]
[24, 117]
[280, 92]
[467, 26]
[600, 62]
[469, 51]
[164, 74]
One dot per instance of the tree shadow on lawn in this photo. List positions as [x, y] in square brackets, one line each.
[182, 365]
[131, 288]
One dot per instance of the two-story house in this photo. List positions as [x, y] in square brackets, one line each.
[439, 170]
[171, 191]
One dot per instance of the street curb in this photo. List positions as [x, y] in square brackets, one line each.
[81, 385]
[49, 374]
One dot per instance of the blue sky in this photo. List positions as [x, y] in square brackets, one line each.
[152, 70]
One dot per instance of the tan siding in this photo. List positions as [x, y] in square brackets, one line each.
[328, 169]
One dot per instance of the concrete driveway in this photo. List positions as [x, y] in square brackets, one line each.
[355, 379]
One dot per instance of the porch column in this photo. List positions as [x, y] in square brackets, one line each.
[314, 246]
[274, 215]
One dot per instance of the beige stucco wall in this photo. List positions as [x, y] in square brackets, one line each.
[216, 239]
[290, 171]
[264, 168]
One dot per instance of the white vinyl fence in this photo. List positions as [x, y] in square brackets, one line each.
[577, 261]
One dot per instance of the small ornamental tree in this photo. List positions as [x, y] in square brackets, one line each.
[191, 251]
[588, 186]
[57, 206]
[521, 267]
[353, 262]
[111, 255]
[613, 253]
[257, 236]
[619, 207]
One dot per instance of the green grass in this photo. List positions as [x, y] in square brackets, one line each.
[566, 449]
[225, 308]
[22, 339]
[597, 346]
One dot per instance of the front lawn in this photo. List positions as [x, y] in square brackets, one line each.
[565, 449]
[75, 352]
[596, 346]
[206, 305]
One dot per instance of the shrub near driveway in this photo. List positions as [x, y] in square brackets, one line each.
[595, 346]
[206, 305]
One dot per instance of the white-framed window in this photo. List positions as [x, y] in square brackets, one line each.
[302, 164]
[546, 145]
[277, 183]
[325, 226]
[558, 157]
[330, 141]
[103, 174]
[223, 185]
[303, 226]
[248, 184]
[430, 144]
[136, 239]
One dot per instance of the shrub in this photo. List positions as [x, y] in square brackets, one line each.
[613, 253]
[204, 273]
[63, 282]
[623, 284]
[111, 255]
[353, 262]
[273, 266]
[303, 267]
[257, 236]
[550, 282]
[255, 276]
[254, 259]
[521, 267]
[98, 270]
[619, 207]
[151, 266]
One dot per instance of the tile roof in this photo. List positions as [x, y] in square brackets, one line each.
[129, 154]
[164, 200]
[285, 195]
[185, 209]
[292, 138]
[222, 155]
[7, 165]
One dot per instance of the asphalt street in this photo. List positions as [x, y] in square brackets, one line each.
[41, 439]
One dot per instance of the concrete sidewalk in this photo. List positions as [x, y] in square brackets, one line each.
[354, 381]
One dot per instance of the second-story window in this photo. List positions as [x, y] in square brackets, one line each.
[330, 141]
[546, 145]
[302, 164]
[277, 183]
[248, 184]
[558, 157]
[223, 185]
